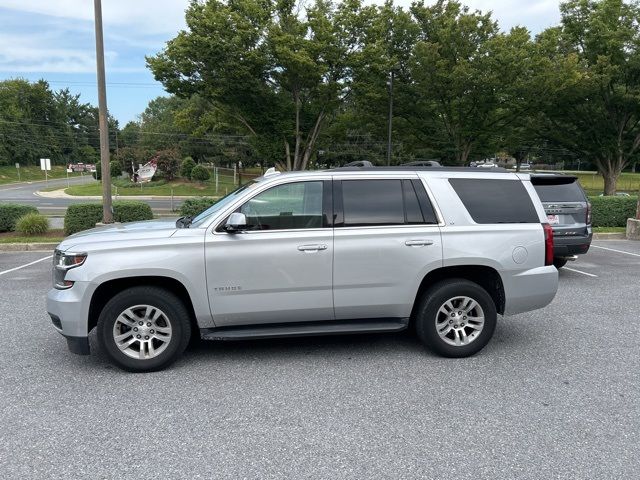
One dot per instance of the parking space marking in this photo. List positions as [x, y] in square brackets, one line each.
[580, 271]
[617, 251]
[26, 265]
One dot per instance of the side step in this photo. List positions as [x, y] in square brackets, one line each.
[304, 329]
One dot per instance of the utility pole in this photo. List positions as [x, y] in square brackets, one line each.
[107, 212]
[390, 118]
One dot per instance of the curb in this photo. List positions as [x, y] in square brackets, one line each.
[116, 197]
[610, 236]
[27, 247]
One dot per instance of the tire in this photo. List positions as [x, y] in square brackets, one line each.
[559, 262]
[157, 342]
[434, 314]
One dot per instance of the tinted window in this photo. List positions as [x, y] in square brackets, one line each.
[292, 205]
[411, 204]
[569, 192]
[372, 202]
[495, 201]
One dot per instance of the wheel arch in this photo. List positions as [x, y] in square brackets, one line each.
[487, 277]
[109, 288]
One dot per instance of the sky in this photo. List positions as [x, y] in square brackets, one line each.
[55, 40]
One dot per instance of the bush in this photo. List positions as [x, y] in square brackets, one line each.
[194, 206]
[612, 211]
[115, 168]
[83, 216]
[200, 173]
[10, 213]
[32, 224]
[186, 167]
[168, 163]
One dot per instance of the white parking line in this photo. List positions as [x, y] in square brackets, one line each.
[26, 265]
[617, 251]
[580, 271]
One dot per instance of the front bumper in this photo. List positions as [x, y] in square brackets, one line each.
[69, 312]
[566, 245]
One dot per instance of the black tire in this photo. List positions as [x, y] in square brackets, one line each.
[559, 262]
[427, 312]
[175, 312]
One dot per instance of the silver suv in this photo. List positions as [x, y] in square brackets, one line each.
[313, 253]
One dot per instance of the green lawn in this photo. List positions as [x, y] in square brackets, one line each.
[52, 236]
[179, 187]
[593, 183]
[609, 229]
[9, 173]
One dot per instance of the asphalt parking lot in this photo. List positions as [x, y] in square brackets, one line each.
[556, 394]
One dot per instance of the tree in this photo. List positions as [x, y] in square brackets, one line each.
[597, 114]
[168, 163]
[271, 69]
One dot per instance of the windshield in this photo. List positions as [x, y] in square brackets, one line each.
[223, 202]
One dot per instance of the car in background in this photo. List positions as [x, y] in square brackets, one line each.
[422, 163]
[568, 212]
[618, 194]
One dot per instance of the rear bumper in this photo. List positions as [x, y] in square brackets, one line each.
[530, 290]
[565, 245]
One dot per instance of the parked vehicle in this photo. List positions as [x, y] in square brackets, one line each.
[568, 212]
[422, 163]
[486, 165]
[313, 253]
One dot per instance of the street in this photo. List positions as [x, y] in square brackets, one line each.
[556, 394]
[25, 193]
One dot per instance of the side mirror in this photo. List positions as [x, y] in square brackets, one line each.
[237, 222]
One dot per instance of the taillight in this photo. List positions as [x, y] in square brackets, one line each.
[548, 244]
[588, 220]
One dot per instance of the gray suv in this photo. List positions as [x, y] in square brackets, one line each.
[444, 251]
[568, 212]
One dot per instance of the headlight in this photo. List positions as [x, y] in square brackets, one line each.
[62, 262]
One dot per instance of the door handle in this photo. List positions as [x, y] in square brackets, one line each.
[311, 248]
[418, 243]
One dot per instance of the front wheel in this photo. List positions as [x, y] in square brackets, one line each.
[456, 318]
[144, 329]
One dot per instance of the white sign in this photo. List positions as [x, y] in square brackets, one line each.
[45, 164]
[17, 165]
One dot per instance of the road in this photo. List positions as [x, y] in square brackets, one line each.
[25, 193]
[555, 395]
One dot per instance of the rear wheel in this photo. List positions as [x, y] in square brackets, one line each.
[456, 318]
[144, 329]
[559, 262]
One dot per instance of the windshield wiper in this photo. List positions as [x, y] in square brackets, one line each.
[184, 222]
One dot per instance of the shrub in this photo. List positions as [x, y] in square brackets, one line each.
[32, 224]
[200, 173]
[11, 212]
[83, 216]
[612, 211]
[115, 168]
[131, 211]
[186, 167]
[168, 163]
[194, 206]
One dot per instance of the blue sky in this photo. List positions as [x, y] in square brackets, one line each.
[54, 40]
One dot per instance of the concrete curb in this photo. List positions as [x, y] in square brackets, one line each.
[610, 236]
[27, 247]
[60, 194]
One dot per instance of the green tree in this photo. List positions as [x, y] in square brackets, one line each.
[597, 113]
[274, 69]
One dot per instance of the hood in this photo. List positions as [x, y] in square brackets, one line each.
[149, 229]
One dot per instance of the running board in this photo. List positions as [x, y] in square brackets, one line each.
[333, 327]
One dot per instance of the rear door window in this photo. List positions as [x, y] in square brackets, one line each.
[495, 200]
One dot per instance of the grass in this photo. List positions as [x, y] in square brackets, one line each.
[593, 183]
[609, 229]
[9, 173]
[162, 188]
[52, 236]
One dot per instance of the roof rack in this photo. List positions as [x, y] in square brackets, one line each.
[420, 169]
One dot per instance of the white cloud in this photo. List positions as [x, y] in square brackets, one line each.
[145, 16]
